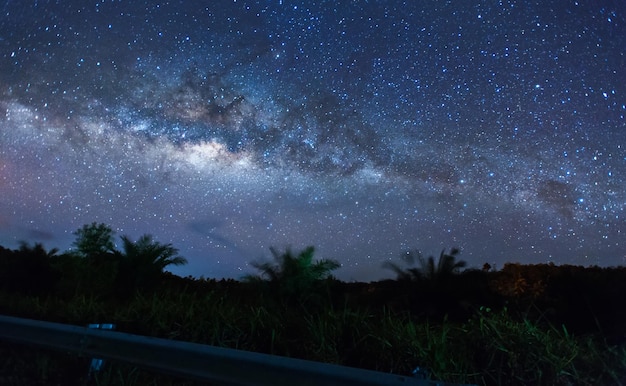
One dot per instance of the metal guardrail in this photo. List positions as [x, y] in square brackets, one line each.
[201, 362]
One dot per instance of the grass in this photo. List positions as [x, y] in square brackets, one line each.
[491, 347]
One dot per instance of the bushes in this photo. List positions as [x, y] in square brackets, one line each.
[28, 270]
[492, 347]
[301, 311]
[295, 279]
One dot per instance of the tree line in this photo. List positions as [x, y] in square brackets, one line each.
[584, 298]
[466, 324]
[93, 266]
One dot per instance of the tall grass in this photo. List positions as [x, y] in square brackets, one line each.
[492, 347]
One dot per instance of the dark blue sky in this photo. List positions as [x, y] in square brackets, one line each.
[362, 128]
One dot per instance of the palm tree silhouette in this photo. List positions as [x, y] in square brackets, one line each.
[37, 250]
[446, 266]
[294, 276]
[426, 286]
[143, 261]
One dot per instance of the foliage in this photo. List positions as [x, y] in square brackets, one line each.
[492, 347]
[94, 239]
[537, 339]
[525, 352]
[446, 266]
[97, 268]
[294, 277]
[144, 260]
[28, 269]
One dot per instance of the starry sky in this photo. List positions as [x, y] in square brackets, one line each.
[363, 128]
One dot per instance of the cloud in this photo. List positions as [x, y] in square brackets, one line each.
[558, 195]
[210, 229]
[37, 234]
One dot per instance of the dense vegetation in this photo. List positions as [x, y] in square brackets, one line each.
[523, 324]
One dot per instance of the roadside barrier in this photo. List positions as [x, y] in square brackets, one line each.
[192, 360]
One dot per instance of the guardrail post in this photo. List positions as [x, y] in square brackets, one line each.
[97, 363]
[420, 373]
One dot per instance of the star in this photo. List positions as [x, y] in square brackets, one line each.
[363, 129]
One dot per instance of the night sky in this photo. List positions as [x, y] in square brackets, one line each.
[364, 128]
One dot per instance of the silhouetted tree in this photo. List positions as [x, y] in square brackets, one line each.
[28, 269]
[94, 239]
[143, 261]
[446, 266]
[98, 260]
[426, 285]
[37, 250]
[294, 276]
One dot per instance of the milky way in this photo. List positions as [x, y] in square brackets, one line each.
[363, 128]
